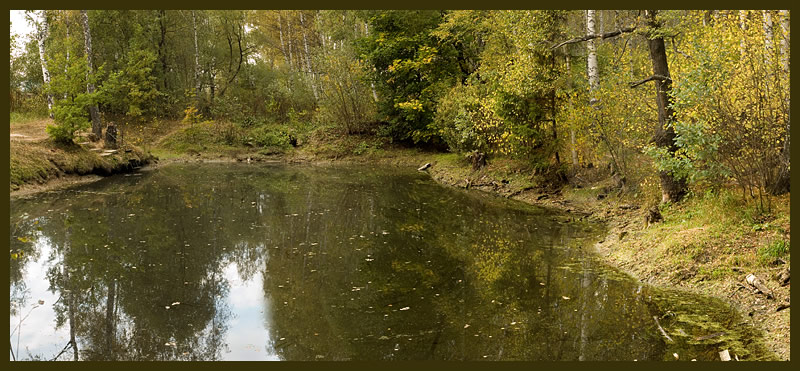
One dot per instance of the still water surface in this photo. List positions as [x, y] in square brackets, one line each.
[267, 262]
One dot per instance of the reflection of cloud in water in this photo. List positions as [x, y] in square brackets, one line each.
[43, 343]
[247, 337]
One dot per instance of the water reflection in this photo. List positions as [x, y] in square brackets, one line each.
[211, 262]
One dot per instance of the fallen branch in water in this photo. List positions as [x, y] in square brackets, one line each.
[662, 329]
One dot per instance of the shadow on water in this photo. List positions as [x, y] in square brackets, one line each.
[212, 261]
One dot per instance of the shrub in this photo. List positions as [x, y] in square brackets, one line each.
[69, 117]
[266, 136]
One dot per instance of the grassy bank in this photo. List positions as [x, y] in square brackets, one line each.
[36, 163]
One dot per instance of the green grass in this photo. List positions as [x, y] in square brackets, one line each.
[37, 162]
[777, 249]
[708, 234]
[25, 117]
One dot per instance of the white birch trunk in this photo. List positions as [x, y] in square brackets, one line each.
[785, 40]
[308, 58]
[743, 26]
[768, 37]
[591, 58]
[280, 35]
[197, 80]
[43, 31]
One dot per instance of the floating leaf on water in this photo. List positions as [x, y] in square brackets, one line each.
[565, 297]
[176, 303]
[467, 325]
[405, 308]
[167, 307]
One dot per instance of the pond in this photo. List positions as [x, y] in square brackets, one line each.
[344, 262]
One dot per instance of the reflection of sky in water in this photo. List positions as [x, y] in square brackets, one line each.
[39, 343]
[247, 337]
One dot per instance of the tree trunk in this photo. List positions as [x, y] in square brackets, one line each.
[197, 80]
[743, 26]
[43, 31]
[783, 181]
[308, 57]
[768, 37]
[162, 53]
[289, 40]
[672, 188]
[785, 40]
[97, 126]
[591, 57]
[66, 28]
[573, 149]
[280, 35]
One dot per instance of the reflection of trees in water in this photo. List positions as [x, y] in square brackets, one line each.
[483, 273]
[123, 286]
[342, 253]
[23, 233]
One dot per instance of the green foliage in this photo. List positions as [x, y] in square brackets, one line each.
[132, 91]
[69, 116]
[458, 116]
[412, 70]
[346, 100]
[732, 103]
[68, 86]
[269, 136]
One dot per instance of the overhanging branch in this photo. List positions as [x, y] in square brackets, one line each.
[651, 78]
[596, 36]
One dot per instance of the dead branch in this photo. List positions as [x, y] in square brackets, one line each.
[596, 36]
[662, 329]
[651, 78]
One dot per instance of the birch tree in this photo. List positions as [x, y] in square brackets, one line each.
[42, 32]
[197, 79]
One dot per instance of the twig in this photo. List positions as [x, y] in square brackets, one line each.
[11, 347]
[651, 78]
[662, 329]
[69, 343]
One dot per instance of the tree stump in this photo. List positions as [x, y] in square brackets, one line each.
[652, 216]
[478, 160]
[111, 136]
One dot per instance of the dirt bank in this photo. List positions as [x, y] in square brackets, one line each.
[39, 165]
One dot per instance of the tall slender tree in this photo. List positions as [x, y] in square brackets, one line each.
[97, 128]
[42, 32]
[673, 188]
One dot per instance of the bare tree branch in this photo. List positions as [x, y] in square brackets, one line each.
[651, 78]
[596, 36]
